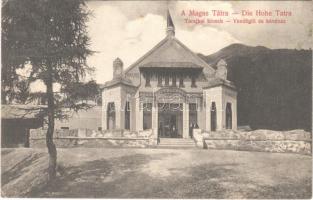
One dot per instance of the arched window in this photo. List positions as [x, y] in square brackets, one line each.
[111, 116]
[213, 116]
[228, 116]
[127, 115]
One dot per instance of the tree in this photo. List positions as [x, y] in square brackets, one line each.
[51, 37]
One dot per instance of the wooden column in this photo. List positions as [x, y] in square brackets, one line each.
[139, 115]
[104, 115]
[118, 113]
[155, 118]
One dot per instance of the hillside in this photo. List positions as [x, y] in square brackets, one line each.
[274, 85]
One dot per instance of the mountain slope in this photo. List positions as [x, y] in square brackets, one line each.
[274, 85]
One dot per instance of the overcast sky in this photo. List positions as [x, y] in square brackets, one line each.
[128, 29]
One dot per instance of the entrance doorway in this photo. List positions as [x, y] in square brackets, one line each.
[170, 120]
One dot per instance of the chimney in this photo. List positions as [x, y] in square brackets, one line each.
[221, 71]
[117, 68]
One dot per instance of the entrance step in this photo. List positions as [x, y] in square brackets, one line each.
[176, 143]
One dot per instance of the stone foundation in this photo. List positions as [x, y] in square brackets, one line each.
[92, 138]
[295, 141]
[301, 147]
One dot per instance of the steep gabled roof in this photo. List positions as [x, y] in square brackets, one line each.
[22, 111]
[119, 80]
[218, 81]
[171, 65]
[170, 50]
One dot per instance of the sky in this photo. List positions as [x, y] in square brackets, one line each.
[128, 29]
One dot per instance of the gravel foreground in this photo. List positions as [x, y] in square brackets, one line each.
[156, 173]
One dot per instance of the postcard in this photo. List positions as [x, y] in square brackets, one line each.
[156, 99]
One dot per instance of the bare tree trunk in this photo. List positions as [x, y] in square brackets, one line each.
[49, 137]
[3, 97]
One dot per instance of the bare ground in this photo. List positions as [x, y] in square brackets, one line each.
[157, 173]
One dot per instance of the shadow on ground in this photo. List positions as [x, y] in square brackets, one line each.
[123, 177]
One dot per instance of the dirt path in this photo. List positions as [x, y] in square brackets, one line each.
[165, 173]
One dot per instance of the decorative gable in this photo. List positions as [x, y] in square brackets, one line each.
[170, 50]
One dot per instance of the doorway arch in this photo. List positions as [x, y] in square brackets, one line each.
[127, 115]
[213, 116]
[111, 116]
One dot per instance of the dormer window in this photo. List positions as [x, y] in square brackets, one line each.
[174, 81]
[148, 81]
[193, 81]
[167, 80]
[159, 81]
[181, 82]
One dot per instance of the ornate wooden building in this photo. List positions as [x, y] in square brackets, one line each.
[169, 90]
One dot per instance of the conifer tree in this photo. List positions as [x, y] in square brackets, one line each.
[51, 37]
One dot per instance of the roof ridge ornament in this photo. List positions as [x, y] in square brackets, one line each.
[170, 30]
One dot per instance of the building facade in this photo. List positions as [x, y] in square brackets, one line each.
[170, 90]
[82, 119]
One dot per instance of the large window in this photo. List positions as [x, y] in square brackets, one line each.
[228, 116]
[147, 116]
[111, 116]
[213, 117]
[127, 115]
